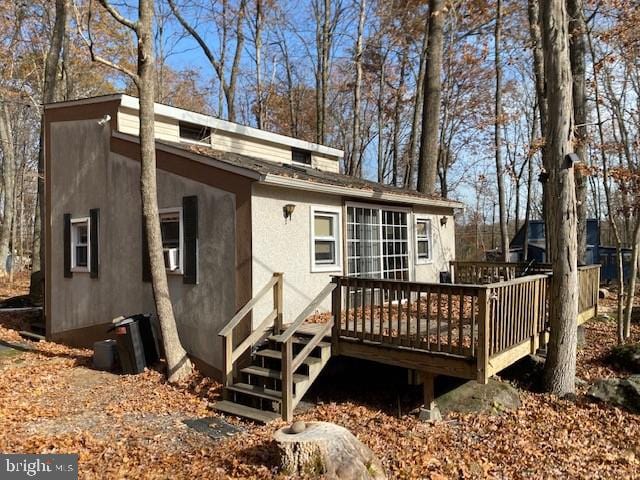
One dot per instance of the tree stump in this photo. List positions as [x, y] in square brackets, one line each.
[322, 448]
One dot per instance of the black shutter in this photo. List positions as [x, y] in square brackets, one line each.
[94, 247]
[67, 246]
[190, 240]
[146, 264]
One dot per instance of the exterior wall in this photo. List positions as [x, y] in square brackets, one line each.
[284, 246]
[166, 128]
[443, 244]
[84, 174]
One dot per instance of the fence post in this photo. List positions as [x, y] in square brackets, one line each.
[484, 333]
[336, 312]
[278, 303]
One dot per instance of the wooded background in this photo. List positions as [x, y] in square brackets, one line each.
[352, 74]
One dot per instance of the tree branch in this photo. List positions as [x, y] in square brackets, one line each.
[118, 16]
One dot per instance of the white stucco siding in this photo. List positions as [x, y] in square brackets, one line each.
[281, 245]
[443, 243]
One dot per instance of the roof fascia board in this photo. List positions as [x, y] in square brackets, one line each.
[215, 123]
[212, 162]
[83, 101]
[299, 184]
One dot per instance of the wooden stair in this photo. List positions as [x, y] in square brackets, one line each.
[256, 391]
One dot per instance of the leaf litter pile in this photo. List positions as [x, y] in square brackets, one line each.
[51, 401]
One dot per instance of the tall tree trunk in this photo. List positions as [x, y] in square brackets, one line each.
[428, 157]
[560, 367]
[541, 96]
[502, 206]
[36, 286]
[577, 49]
[8, 183]
[380, 105]
[178, 364]
[355, 145]
[259, 18]
[396, 118]
[417, 109]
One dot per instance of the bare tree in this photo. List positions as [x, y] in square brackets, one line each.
[357, 87]
[502, 207]
[218, 63]
[560, 366]
[178, 363]
[428, 157]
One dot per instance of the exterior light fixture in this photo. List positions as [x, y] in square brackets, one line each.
[287, 210]
[443, 221]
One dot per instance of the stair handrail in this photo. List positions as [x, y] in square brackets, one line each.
[231, 355]
[289, 363]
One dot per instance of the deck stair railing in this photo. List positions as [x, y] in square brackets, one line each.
[231, 353]
[290, 363]
[481, 273]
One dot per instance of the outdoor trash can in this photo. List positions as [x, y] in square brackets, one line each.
[104, 355]
[129, 343]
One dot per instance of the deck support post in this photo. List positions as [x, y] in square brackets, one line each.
[287, 380]
[278, 303]
[336, 312]
[429, 411]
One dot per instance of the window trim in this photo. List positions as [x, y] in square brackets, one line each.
[75, 268]
[429, 221]
[174, 210]
[336, 214]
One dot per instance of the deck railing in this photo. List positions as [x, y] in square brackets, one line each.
[589, 286]
[424, 316]
[481, 273]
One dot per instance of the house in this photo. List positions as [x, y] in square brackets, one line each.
[596, 252]
[236, 205]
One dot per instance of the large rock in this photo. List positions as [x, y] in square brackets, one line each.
[327, 450]
[622, 392]
[493, 398]
[626, 357]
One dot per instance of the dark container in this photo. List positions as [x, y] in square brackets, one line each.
[445, 277]
[130, 347]
[149, 336]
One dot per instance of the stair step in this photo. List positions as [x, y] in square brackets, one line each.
[267, 353]
[270, 373]
[302, 341]
[244, 411]
[256, 391]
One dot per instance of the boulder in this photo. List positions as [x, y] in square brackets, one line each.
[626, 357]
[622, 392]
[493, 398]
[327, 450]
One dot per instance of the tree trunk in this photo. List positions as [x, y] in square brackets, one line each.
[631, 288]
[178, 364]
[36, 286]
[396, 118]
[355, 145]
[8, 183]
[428, 157]
[560, 366]
[504, 233]
[577, 49]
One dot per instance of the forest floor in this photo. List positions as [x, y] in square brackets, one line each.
[51, 401]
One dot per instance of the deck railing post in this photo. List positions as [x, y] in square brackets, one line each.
[287, 380]
[227, 348]
[278, 302]
[336, 312]
[484, 334]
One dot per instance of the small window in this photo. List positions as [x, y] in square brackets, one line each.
[171, 230]
[325, 246]
[191, 132]
[80, 254]
[300, 156]
[423, 240]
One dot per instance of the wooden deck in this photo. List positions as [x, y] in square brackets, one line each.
[466, 330]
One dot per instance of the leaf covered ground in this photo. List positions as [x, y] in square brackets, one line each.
[131, 426]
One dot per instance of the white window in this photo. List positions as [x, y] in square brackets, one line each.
[378, 242]
[80, 253]
[423, 240]
[171, 229]
[325, 240]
